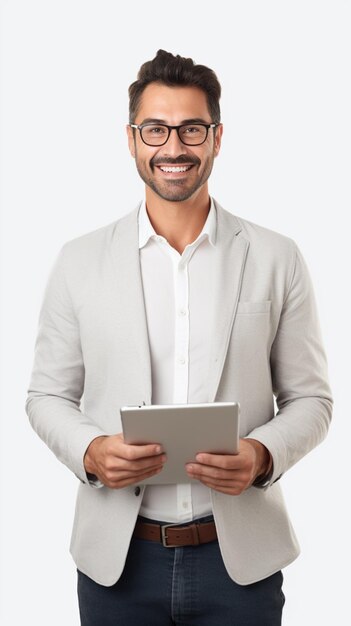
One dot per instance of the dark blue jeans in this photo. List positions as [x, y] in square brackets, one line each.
[186, 586]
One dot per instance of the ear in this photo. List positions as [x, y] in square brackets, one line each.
[131, 141]
[218, 139]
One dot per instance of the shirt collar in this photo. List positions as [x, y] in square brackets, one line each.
[146, 230]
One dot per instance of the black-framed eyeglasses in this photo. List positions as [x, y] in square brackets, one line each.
[158, 134]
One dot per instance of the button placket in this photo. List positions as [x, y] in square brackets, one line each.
[181, 365]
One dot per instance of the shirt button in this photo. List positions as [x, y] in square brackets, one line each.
[137, 491]
[185, 505]
[181, 360]
[183, 312]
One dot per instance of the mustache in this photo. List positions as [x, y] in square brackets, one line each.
[181, 160]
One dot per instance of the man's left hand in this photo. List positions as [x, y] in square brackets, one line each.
[231, 473]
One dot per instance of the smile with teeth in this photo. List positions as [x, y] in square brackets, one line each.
[175, 168]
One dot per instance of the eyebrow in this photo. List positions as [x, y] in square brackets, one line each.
[193, 120]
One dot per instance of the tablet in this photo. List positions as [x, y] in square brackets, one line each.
[183, 430]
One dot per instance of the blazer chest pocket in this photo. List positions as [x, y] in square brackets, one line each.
[254, 308]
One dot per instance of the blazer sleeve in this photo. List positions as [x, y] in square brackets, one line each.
[57, 381]
[299, 378]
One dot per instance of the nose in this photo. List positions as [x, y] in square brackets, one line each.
[174, 146]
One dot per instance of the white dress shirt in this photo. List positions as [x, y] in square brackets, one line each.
[178, 293]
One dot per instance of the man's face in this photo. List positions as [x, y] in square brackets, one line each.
[174, 106]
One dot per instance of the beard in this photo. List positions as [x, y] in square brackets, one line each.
[175, 190]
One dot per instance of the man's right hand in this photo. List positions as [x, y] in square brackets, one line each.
[118, 464]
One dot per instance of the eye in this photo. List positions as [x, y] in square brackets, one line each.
[192, 130]
[155, 130]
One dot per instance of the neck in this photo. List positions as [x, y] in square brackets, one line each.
[179, 222]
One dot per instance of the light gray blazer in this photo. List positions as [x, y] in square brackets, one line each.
[92, 356]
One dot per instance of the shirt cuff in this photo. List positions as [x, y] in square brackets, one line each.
[94, 481]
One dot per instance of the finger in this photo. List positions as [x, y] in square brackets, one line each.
[219, 479]
[129, 471]
[130, 452]
[131, 480]
[144, 464]
[124, 478]
[226, 461]
[216, 473]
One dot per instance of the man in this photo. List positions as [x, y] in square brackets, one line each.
[179, 302]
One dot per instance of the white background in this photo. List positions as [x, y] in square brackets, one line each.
[285, 163]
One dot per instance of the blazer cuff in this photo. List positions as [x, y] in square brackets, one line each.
[264, 479]
[78, 450]
[274, 471]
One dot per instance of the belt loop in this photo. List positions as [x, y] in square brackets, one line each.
[195, 534]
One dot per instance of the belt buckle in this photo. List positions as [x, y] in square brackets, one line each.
[164, 536]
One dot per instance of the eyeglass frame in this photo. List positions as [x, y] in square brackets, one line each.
[170, 128]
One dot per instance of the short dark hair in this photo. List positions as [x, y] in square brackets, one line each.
[173, 70]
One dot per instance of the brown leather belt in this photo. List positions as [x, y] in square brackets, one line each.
[175, 536]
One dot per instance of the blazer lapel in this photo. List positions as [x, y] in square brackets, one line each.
[125, 250]
[230, 258]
